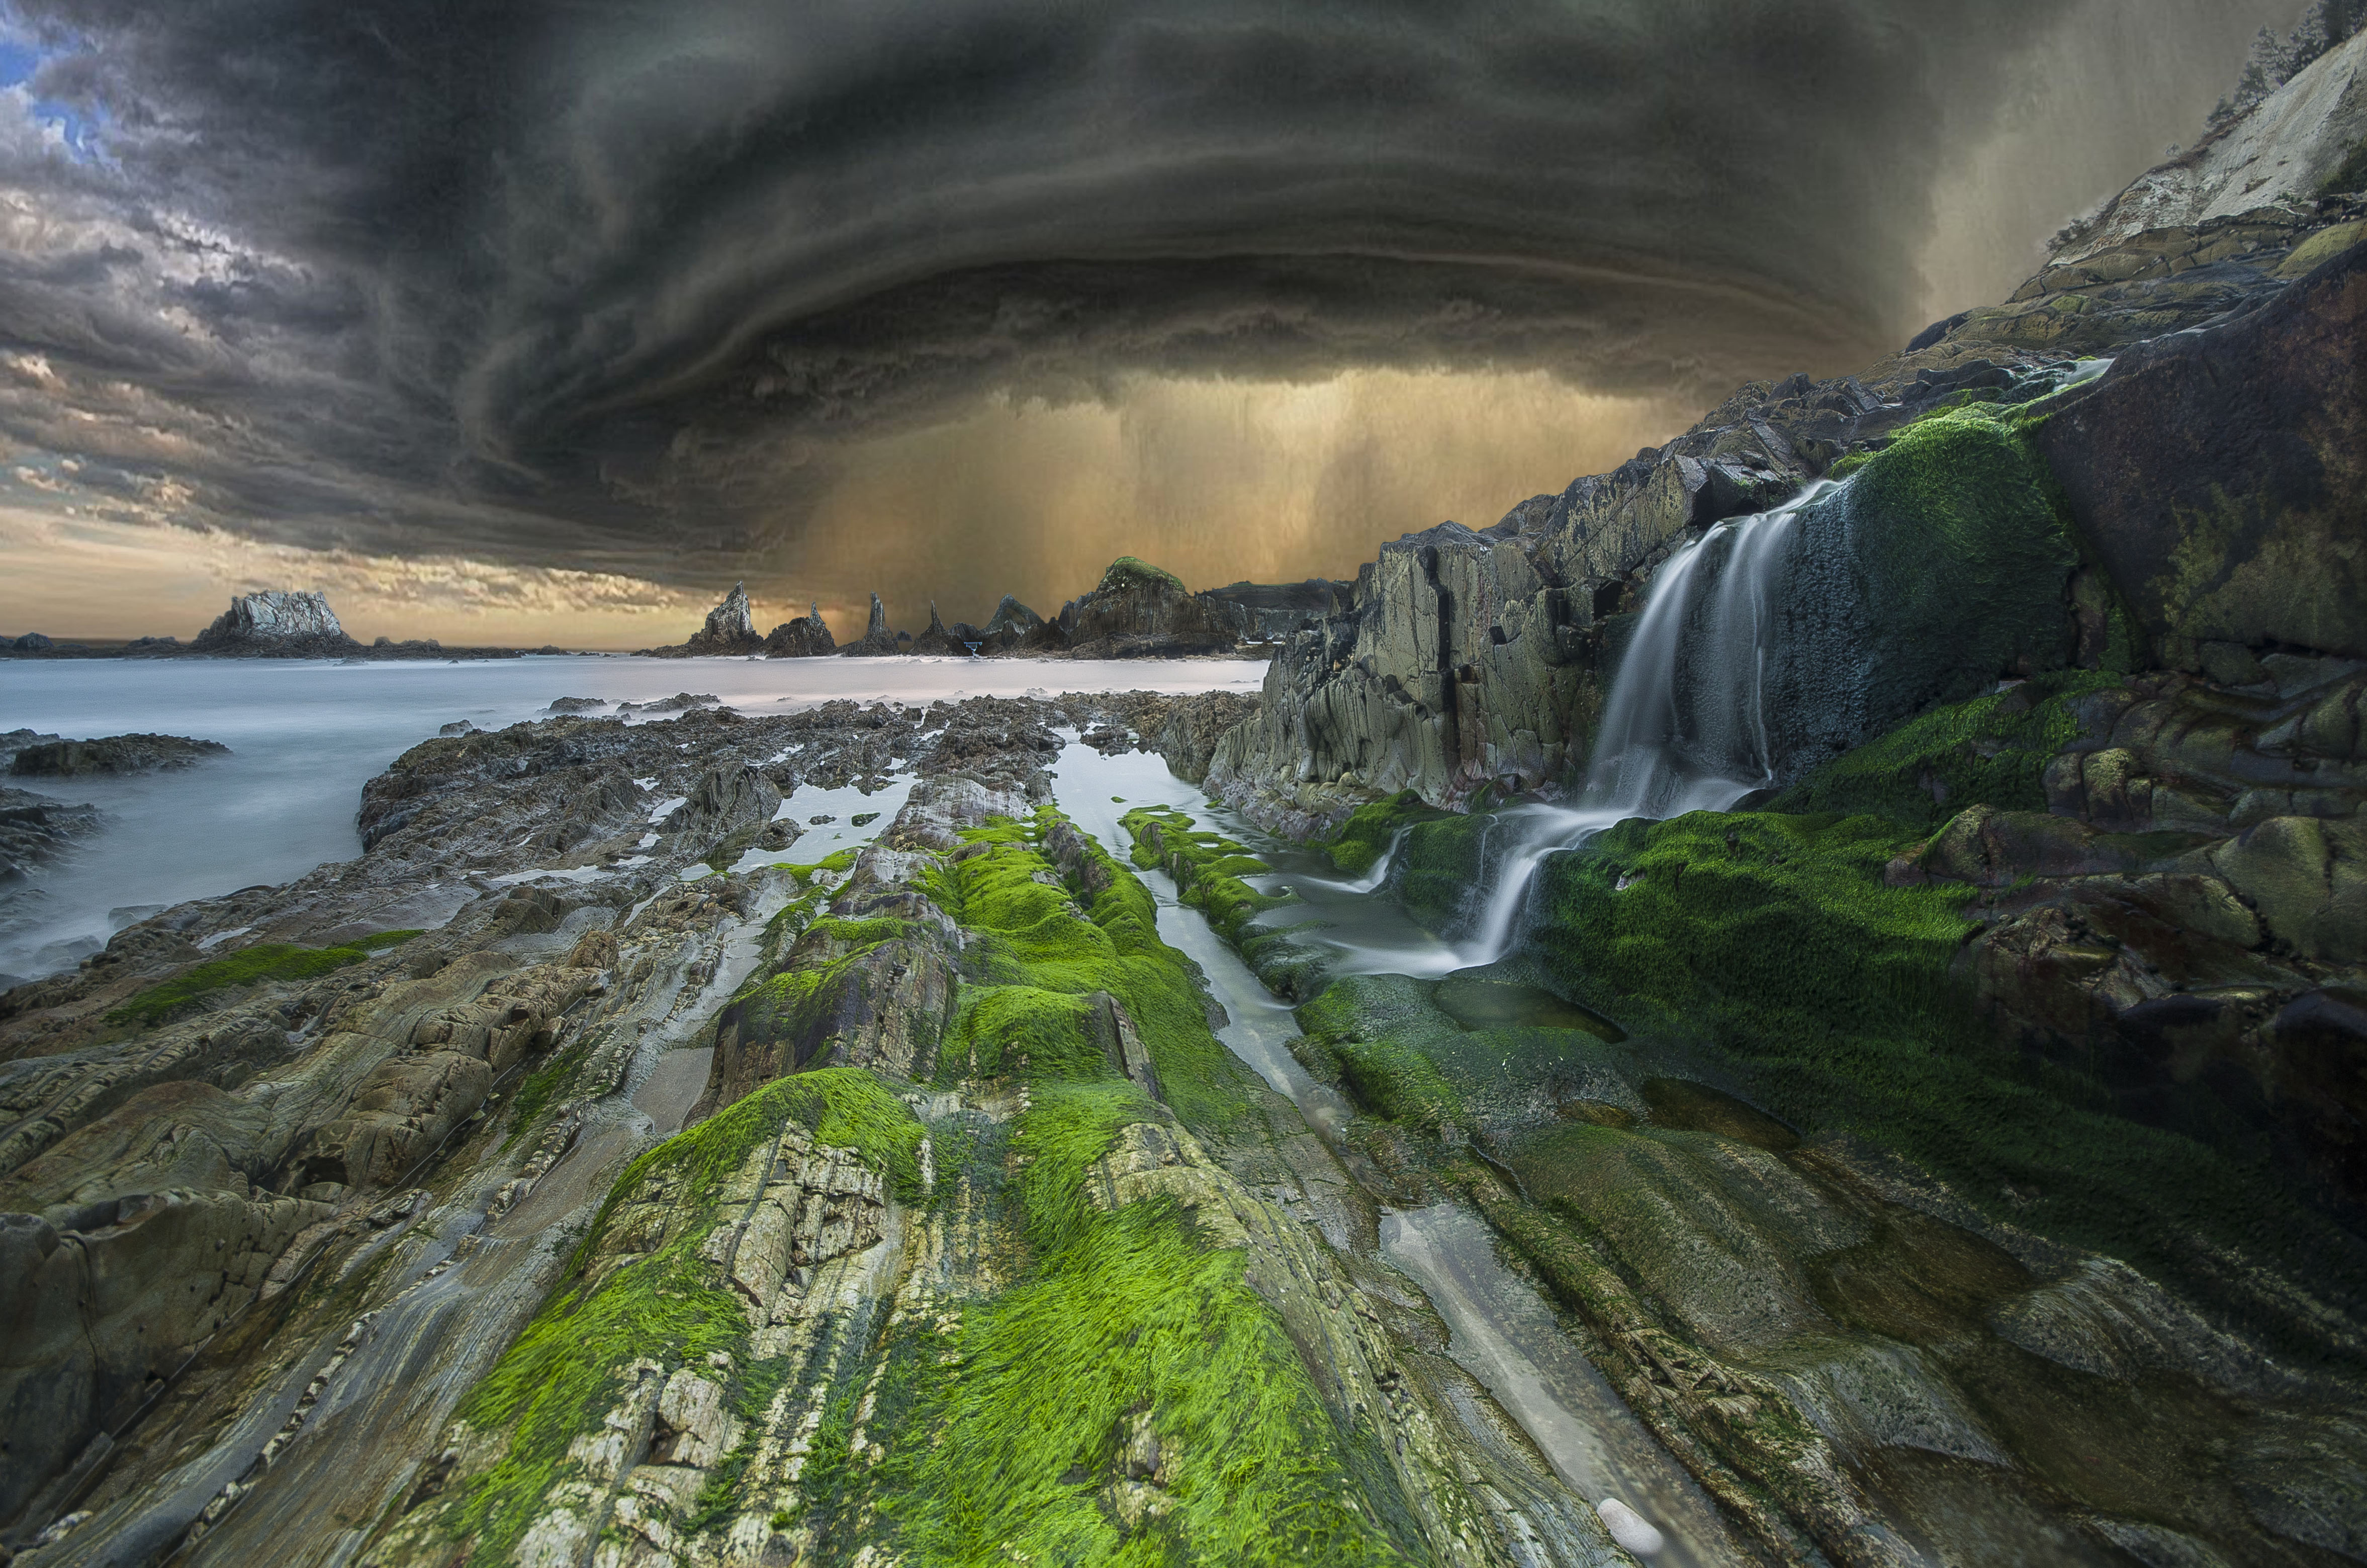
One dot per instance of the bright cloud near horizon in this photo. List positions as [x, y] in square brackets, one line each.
[541, 323]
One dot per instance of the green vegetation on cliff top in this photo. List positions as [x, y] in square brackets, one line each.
[1127, 573]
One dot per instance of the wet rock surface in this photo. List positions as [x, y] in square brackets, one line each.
[1951, 1157]
[35, 829]
[247, 1224]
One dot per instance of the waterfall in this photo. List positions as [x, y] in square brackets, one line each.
[1685, 727]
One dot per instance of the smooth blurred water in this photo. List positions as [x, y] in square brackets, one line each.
[306, 734]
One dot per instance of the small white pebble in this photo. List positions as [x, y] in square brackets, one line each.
[1630, 1529]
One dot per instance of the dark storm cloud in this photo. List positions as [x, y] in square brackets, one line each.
[603, 284]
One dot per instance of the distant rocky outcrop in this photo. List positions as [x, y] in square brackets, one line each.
[806, 638]
[277, 626]
[681, 702]
[1270, 609]
[938, 641]
[877, 638]
[729, 628]
[1138, 611]
[112, 754]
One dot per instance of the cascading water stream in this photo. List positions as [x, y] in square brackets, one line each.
[1685, 728]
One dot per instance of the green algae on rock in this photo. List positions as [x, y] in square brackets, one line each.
[260, 964]
[1360, 842]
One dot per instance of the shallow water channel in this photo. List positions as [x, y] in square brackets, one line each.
[1503, 1332]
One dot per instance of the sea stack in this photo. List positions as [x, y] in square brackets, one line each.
[937, 640]
[729, 628]
[804, 638]
[877, 638]
[277, 626]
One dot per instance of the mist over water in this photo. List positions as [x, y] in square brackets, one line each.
[305, 734]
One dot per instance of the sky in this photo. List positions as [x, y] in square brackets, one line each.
[546, 322]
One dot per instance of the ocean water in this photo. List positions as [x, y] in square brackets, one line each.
[306, 734]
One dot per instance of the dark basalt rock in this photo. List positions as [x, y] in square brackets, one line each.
[277, 626]
[2220, 477]
[804, 638]
[113, 754]
[681, 702]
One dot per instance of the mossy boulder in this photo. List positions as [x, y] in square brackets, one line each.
[1940, 568]
[1776, 948]
[1359, 843]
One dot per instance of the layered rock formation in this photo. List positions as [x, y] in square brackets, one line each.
[1470, 659]
[36, 830]
[277, 626]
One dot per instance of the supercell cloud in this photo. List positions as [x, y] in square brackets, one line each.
[643, 289]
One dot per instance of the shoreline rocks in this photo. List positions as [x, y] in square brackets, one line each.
[112, 754]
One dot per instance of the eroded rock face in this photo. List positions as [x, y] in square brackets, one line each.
[2280, 153]
[1140, 611]
[277, 626]
[2222, 476]
[877, 639]
[727, 628]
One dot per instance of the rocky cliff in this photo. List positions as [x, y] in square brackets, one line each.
[2184, 486]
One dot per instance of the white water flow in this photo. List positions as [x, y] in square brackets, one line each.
[1685, 728]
